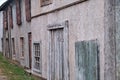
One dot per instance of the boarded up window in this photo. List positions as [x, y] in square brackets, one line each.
[87, 60]
[45, 2]
[28, 10]
[37, 57]
[18, 12]
[10, 17]
[5, 20]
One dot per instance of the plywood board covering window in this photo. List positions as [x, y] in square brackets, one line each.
[87, 60]
[22, 46]
[5, 19]
[18, 11]
[10, 17]
[45, 2]
[37, 57]
[28, 10]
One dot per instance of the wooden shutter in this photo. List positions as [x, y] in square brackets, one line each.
[5, 19]
[18, 12]
[28, 10]
[87, 60]
[10, 17]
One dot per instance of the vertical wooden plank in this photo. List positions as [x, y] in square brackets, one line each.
[80, 49]
[60, 48]
[52, 56]
[93, 60]
[61, 59]
[66, 52]
[55, 53]
[49, 55]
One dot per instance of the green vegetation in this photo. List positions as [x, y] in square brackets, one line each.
[13, 72]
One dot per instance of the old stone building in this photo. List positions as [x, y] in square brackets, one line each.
[64, 39]
[16, 31]
[69, 34]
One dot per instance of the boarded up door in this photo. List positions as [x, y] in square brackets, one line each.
[7, 48]
[30, 43]
[13, 46]
[57, 55]
[87, 60]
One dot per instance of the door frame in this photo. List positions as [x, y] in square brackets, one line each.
[64, 25]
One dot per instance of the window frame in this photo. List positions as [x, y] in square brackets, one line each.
[22, 47]
[40, 58]
[45, 3]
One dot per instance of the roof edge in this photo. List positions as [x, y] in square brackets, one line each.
[5, 4]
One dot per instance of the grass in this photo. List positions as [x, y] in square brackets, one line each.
[13, 72]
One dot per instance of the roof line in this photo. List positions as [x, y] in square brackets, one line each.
[4, 5]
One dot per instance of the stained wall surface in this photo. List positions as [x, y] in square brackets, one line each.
[86, 22]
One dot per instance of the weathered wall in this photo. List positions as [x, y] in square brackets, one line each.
[1, 29]
[36, 5]
[21, 31]
[117, 19]
[110, 38]
[86, 22]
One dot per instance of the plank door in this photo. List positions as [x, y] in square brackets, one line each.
[7, 48]
[87, 60]
[30, 45]
[57, 55]
[13, 46]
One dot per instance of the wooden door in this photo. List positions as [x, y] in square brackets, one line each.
[57, 55]
[87, 60]
[30, 44]
[13, 46]
[7, 48]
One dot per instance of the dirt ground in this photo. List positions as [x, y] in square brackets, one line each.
[2, 77]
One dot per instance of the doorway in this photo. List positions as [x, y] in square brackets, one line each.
[58, 56]
[30, 51]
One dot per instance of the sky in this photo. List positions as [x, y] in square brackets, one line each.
[2, 1]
